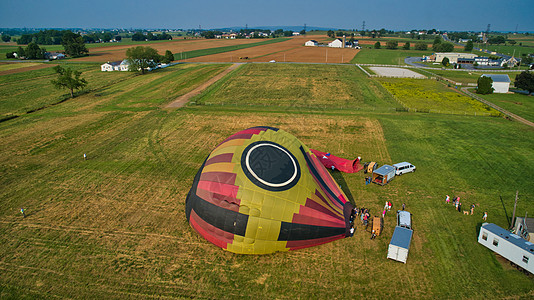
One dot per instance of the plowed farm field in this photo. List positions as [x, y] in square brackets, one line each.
[292, 50]
[118, 51]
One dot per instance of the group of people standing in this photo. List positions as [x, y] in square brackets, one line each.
[458, 205]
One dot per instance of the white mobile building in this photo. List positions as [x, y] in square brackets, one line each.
[400, 244]
[508, 245]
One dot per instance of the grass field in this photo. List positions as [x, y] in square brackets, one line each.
[298, 86]
[385, 56]
[113, 226]
[469, 76]
[518, 104]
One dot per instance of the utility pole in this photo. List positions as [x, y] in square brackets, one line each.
[515, 205]
[305, 27]
[363, 26]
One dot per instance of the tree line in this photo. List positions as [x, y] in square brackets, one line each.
[73, 44]
[149, 36]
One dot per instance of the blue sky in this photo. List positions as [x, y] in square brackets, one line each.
[455, 15]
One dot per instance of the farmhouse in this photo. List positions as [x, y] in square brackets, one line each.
[311, 43]
[115, 66]
[453, 56]
[501, 82]
[509, 245]
[54, 55]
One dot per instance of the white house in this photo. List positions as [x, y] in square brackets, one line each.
[54, 55]
[115, 66]
[311, 43]
[110, 66]
[501, 82]
[337, 43]
[124, 65]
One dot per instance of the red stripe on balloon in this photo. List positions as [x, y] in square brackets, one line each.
[211, 233]
[222, 177]
[229, 190]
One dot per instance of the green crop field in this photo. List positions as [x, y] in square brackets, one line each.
[386, 56]
[113, 226]
[430, 95]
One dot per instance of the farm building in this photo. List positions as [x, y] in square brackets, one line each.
[115, 66]
[337, 43]
[311, 43]
[452, 56]
[501, 82]
[510, 246]
[510, 62]
[486, 61]
[54, 55]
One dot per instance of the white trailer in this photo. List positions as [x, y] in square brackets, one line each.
[510, 246]
[400, 244]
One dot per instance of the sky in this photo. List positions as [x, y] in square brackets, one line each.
[450, 15]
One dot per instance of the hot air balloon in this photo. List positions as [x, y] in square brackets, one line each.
[261, 191]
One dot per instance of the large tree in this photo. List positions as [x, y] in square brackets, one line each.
[141, 58]
[168, 57]
[34, 52]
[6, 37]
[68, 79]
[377, 45]
[392, 44]
[421, 46]
[436, 43]
[525, 81]
[406, 46]
[484, 85]
[469, 46]
[73, 44]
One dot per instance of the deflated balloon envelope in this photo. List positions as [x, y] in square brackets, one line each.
[261, 191]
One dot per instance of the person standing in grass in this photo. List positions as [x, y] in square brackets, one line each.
[23, 212]
[485, 216]
[447, 199]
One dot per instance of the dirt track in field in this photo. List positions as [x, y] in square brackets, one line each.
[182, 100]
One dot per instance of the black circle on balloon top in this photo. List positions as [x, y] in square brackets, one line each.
[270, 166]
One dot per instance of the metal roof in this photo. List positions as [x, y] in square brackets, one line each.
[507, 235]
[401, 237]
[498, 77]
[384, 170]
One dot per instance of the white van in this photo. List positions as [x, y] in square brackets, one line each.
[403, 167]
[404, 219]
